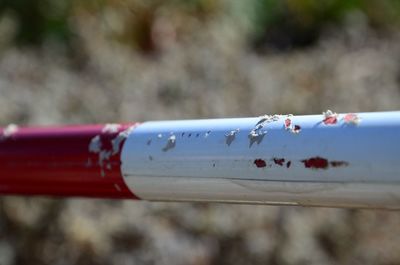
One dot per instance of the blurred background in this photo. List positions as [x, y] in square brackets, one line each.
[95, 61]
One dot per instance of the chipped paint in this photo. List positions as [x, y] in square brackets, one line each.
[288, 164]
[288, 123]
[171, 142]
[9, 131]
[117, 141]
[111, 128]
[293, 128]
[256, 137]
[230, 137]
[351, 118]
[279, 161]
[322, 163]
[315, 163]
[95, 144]
[330, 117]
[107, 144]
[260, 163]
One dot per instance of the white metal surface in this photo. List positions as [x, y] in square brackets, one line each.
[343, 161]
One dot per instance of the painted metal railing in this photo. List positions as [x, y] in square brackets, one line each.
[335, 160]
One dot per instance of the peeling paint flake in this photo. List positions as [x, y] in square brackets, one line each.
[330, 117]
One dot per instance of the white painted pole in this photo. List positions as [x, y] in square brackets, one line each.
[345, 160]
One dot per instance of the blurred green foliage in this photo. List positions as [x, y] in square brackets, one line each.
[38, 21]
[286, 24]
[278, 24]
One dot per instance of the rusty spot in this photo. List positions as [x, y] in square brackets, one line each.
[288, 163]
[260, 163]
[330, 117]
[189, 135]
[279, 161]
[316, 163]
[339, 163]
[197, 134]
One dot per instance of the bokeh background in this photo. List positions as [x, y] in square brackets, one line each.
[95, 61]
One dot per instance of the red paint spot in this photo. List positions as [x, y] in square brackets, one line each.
[279, 161]
[260, 163]
[288, 164]
[316, 163]
[339, 163]
[330, 120]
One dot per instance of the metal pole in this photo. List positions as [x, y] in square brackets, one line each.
[336, 160]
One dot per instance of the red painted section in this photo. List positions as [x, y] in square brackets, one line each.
[260, 163]
[56, 161]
